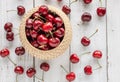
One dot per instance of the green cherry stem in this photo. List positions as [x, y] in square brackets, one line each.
[98, 65]
[39, 78]
[100, 3]
[85, 53]
[93, 33]
[73, 2]
[64, 68]
[11, 61]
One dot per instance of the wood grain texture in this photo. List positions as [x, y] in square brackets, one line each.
[105, 40]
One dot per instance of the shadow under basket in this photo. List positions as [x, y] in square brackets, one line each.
[49, 54]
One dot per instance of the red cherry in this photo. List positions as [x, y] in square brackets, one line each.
[35, 44]
[66, 9]
[50, 18]
[88, 70]
[42, 40]
[58, 21]
[20, 10]
[33, 34]
[74, 58]
[10, 36]
[44, 47]
[101, 11]
[87, 1]
[71, 76]
[27, 31]
[19, 70]
[29, 23]
[85, 41]
[97, 54]
[47, 27]
[37, 24]
[36, 15]
[54, 42]
[45, 66]
[59, 33]
[43, 9]
[31, 72]
[86, 17]
[20, 51]
[59, 0]
[4, 52]
[8, 27]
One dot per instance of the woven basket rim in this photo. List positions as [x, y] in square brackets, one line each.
[49, 54]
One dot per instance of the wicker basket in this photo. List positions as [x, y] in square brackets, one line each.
[49, 54]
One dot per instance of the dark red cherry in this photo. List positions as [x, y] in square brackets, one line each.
[101, 11]
[8, 27]
[33, 34]
[44, 47]
[4, 52]
[20, 51]
[43, 9]
[86, 17]
[97, 54]
[47, 27]
[29, 23]
[59, 32]
[54, 42]
[59, 0]
[27, 31]
[74, 58]
[36, 15]
[85, 41]
[88, 70]
[37, 24]
[35, 44]
[58, 21]
[71, 76]
[50, 18]
[19, 70]
[87, 1]
[42, 39]
[31, 72]
[10, 36]
[44, 66]
[20, 10]
[66, 9]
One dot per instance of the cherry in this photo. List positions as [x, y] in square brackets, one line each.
[87, 1]
[4, 52]
[20, 10]
[44, 47]
[43, 9]
[88, 70]
[59, 32]
[59, 0]
[8, 27]
[10, 36]
[31, 72]
[36, 15]
[54, 42]
[50, 18]
[86, 17]
[33, 34]
[20, 51]
[74, 58]
[37, 24]
[101, 11]
[97, 54]
[58, 21]
[47, 27]
[71, 76]
[35, 44]
[27, 31]
[29, 23]
[19, 70]
[66, 9]
[42, 40]
[85, 41]
[44, 66]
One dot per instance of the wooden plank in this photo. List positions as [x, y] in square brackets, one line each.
[97, 42]
[55, 73]
[26, 60]
[113, 30]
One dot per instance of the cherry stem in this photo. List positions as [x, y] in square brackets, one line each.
[39, 78]
[12, 61]
[100, 2]
[64, 69]
[73, 2]
[42, 18]
[17, 78]
[51, 33]
[10, 10]
[93, 33]
[85, 53]
[98, 65]
[43, 76]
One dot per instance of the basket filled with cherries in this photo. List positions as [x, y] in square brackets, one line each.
[45, 32]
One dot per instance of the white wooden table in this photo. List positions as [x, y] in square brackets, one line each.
[107, 40]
